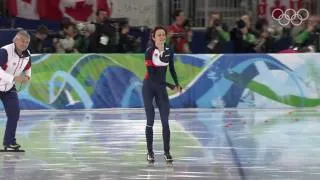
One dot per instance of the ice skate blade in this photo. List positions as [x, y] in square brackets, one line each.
[12, 150]
[151, 163]
[169, 164]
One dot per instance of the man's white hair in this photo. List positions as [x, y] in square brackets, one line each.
[22, 33]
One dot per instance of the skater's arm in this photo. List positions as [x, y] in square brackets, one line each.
[3, 62]
[148, 61]
[171, 86]
[173, 73]
[27, 70]
[172, 70]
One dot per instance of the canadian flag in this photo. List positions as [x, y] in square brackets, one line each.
[78, 10]
[23, 8]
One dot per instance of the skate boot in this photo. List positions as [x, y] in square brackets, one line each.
[150, 158]
[12, 148]
[168, 159]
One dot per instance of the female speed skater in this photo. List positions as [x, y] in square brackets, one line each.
[157, 58]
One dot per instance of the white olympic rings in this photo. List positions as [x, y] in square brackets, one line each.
[290, 16]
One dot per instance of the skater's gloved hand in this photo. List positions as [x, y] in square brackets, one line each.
[178, 89]
[171, 86]
[165, 56]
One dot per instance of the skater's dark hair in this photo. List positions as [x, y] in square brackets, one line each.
[155, 29]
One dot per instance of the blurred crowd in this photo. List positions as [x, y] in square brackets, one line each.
[101, 36]
[104, 35]
[261, 37]
[246, 36]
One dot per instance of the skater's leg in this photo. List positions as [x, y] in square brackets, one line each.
[162, 101]
[148, 96]
[12, 109]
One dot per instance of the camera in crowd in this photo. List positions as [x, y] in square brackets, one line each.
[217, 22]
[187, 26]
[178, 35]
[188, 23]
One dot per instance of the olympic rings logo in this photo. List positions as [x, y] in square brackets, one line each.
[290, 16]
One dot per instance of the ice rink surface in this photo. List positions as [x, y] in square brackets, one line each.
[244, 144]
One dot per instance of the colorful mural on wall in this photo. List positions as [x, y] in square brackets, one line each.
[77, 81]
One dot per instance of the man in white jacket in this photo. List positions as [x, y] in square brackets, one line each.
[15, 67]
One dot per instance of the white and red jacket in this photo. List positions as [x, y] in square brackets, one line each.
[11, 65]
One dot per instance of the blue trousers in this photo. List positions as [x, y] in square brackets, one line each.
[11, 106]
[150, 91]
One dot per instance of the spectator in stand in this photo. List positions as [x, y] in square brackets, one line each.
[179, 37]
[306, 38]
[217, 34]
[249, 36]
[264, 40]
[82, 39]
[281, 37]
[66, 43]
[37, 40]
[127, 43]
[104, 37]
[238, 34]
[64, 22]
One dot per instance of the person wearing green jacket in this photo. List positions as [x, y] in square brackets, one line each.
[217, 35]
